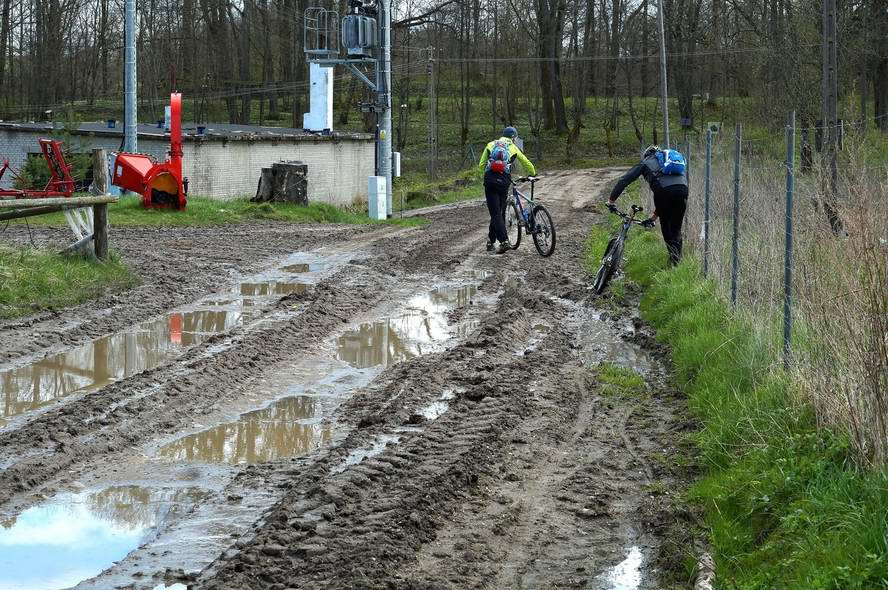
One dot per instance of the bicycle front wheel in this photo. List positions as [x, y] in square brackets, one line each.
[543, 231]
[609, 264]
[513, 225]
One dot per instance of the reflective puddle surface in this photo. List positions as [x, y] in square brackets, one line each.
[74, 537]
[421, 328]
[145, 346]
[627, 574]
[287, 428]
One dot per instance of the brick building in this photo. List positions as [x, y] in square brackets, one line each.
[224, 161]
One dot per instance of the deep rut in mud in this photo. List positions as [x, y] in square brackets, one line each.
[418, 414]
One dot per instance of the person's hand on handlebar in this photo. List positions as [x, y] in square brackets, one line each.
[648, 223]
[612, 207]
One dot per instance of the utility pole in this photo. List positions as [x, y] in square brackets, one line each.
[664, 94]
[130, 126]
[384, 86]
[433, 117]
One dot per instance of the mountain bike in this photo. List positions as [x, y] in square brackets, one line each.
[530, 217]
[613, 255]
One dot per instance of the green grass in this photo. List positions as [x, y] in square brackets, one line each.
[203, 212]
[620, 381]
[786, 506]
[34, 280]
[415, 191]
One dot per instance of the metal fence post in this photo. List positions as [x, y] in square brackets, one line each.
[735, 254]
[787, 262]
[706, 194]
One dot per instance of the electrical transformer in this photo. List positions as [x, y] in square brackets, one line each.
[359, 35]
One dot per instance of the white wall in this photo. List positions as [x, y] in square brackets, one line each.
[337, 169]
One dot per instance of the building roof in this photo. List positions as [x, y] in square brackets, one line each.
[211, 131]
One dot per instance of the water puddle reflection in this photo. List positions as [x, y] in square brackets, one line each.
[117, 356]
[290, 427]
[74, 537]
[626, 575]
[420, 329]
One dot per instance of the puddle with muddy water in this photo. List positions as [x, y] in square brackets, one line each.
[289, 427]
[74, 537]
[421, 328]
[626, 575]
[117, 356]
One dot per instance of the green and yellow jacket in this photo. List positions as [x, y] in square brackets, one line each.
[514, 153]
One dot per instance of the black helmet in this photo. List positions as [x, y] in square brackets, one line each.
[510, 132]
[650, 151]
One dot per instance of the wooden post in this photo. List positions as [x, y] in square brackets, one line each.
[101, 184]
[100, 230]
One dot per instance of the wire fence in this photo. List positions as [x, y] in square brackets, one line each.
[803, 255]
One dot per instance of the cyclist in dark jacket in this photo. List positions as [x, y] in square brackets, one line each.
[670, 199]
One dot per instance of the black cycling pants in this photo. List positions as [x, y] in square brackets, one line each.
[496, 190]
[671, 204]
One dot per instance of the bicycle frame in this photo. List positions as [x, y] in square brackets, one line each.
[526, 217]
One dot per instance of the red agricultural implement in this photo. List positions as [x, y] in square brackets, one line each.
[60, 184]
[160, 184]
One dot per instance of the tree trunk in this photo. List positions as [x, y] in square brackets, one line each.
[4, 40]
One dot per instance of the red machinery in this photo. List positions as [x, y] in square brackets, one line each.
[60, 184]
[160, 184]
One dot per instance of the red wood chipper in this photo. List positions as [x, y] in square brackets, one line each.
[160, 184]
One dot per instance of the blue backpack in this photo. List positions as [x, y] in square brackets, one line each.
[672, 163]
[499, 160]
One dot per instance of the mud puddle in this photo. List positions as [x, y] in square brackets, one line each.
[74, 537]
[289, 427]
[626, 575]
[147, 345]
[604, 339]
[422, 327]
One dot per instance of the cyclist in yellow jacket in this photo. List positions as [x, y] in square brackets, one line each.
[496, 165]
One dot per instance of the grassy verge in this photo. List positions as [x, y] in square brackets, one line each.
[785, 505]
[413, 190]
[202, 211]
[35, 280]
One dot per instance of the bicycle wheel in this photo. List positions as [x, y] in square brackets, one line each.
[609, 264]
[513, 226]
[543, 231]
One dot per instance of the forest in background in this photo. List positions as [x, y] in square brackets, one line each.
[577, 70]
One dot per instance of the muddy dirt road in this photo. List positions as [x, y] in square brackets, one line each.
[339, 407]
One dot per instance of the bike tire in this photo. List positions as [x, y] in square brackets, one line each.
[543, 231]
[610, 262]
[513, 224]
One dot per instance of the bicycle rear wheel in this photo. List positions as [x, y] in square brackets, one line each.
[543, 231]
[513, 225]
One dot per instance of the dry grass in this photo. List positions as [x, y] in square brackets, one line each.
[840, 340]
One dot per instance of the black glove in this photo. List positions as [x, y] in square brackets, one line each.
[611, 207]
[648, 223]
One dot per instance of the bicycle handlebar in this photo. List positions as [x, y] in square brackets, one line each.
[530, 179]
[624, 215]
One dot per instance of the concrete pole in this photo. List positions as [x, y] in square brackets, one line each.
[385, 99]
[130, 137]
[664, 94]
